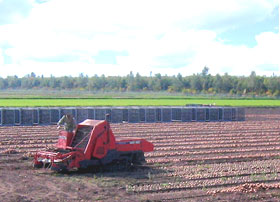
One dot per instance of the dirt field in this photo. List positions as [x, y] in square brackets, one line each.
[199, 161]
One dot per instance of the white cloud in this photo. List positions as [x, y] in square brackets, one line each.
[1, 58]
[12, 11]
[268, 48]
[157, 35]
[152, 16]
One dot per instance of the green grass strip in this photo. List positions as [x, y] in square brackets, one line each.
[132, 102]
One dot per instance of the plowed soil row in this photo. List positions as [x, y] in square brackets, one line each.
[190, 159]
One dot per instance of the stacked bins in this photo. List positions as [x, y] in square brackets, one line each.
[150, 115]
[233, 114]
[142, 114]
[166, 114]
[35, 116]
[134, 115]
[26, 116]
[8, 116]
[221, 114]
[176, 114]
[194, 115]
[55, 115]
[125, 115]
[186, 114]
[17, 117]
[227, 114]
[207, 114]
[64, 111]
[44, 116]
[82, 114]
[101, 112]
[117, 115]
[214, 114]
[91, 113]
[158, 115]
[200, 114]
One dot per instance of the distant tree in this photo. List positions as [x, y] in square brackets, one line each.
[176, 84]
[131, 82]
[165, 82]
[123, 84]
[82, 81]
[228, 83]
[272, 84]
[54, 83]
[206, 79]
[66, 82]
[205, 71]
[13, 82]
[113, 83]
[217, 83]
[140, 82]
[3, 83]
[93, 83]
[33, 75]
[196, 83]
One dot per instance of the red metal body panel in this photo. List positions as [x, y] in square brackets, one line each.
[64, 139]
[101, 139]
[134, 145]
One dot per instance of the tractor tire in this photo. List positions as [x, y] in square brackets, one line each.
[138, 158]
[37, 165]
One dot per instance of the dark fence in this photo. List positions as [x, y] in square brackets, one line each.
[51, 115]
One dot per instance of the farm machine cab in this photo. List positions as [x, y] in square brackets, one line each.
[93, 144]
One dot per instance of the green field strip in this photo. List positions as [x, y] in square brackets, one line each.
[133, 102]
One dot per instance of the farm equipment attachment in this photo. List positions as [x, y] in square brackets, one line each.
[92, 145]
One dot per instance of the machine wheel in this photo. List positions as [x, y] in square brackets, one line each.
[126, 164]
[119, 165]
[60, 168]
[64, 171]
[138, 158]
[38, 165]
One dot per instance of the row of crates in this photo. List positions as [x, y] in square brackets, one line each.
[47, 116]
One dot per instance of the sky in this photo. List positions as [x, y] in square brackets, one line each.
[70, 37]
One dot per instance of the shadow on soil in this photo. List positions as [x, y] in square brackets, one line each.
[131, 174]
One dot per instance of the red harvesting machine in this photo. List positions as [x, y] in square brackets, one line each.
[93, 144]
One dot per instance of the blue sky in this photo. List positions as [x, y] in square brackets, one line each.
[69, 37]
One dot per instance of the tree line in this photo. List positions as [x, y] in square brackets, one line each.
[202, 82]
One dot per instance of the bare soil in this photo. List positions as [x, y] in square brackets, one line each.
[214, 161]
